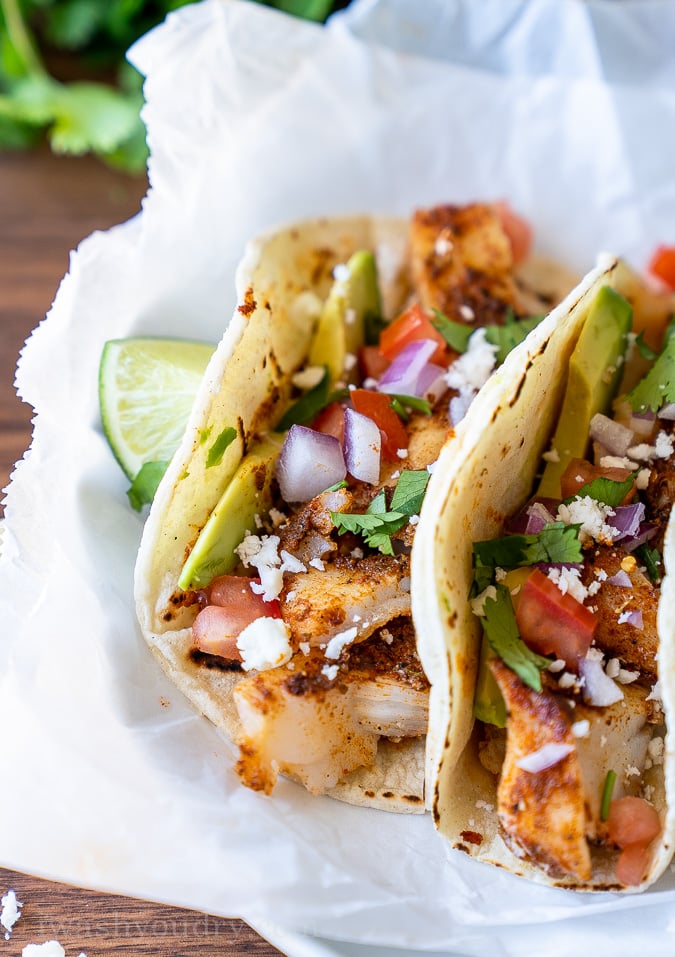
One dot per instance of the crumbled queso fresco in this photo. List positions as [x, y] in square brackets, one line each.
[264, 644]
[11, 911]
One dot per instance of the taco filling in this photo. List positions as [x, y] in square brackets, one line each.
[299, 581]
[570, 733]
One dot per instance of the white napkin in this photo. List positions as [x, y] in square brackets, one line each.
[108, 778]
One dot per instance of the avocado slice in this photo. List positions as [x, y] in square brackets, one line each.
[247, 495]
[595, 369]
[341, 327]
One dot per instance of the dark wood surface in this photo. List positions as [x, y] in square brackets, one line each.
[47, 205]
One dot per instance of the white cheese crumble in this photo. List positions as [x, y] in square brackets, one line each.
[612, 668]
[581, 729]
[261, 553]
[356, 553]
[472, 369]
[50, 948]
[11, 911]
[264, 644]
[478, 603]
[601, 574]
[551, 456]
[590, 515]
[569, 680]
[276, 517]
[386, 636]
[443, 245]
[625, 677]
[318, 564]
[569, 580]
[402, 453]
[340, 641]
[289, 563]
[466, 312]
[663, 447]
[341, 272]
[330, 671]
[556, 666]
[304, 647]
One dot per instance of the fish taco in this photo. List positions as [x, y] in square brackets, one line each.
[273, 577]
[544, 599]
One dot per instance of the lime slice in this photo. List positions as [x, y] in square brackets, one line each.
[146, 388]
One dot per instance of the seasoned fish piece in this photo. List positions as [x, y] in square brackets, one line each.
[349, 593]
[307, 535]
[462, 264]
[318, 729]
[636, 647]
[542, 814]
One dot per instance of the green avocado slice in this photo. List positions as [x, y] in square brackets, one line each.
[247, 495]
[595, 369]
[352, 298]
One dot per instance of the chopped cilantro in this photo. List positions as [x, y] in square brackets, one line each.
[378, 523]
[505, 337]
[217, 450]
[556, 542]
[605, 490]
[653, 561]
[511, 334]
[410, 402]
[308, 406]
[456, 334]
[607, 791]
[501, 631]
[338, 485]
[658, 386]
[145, 484]
[645, 351]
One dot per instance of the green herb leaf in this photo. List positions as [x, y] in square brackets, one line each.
[412, 402]
[308, 406]
[217, 450]
[409, 492]
[555, 543]
[645, 351]
[653, 561]
[501, 631]
[511, 334]
[607, 791]
[145, 484]
[378, 523]
[605, 490]
[400, 409]
[456, 334]
[658, 386]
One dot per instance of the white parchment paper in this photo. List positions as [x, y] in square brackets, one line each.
[108, 778]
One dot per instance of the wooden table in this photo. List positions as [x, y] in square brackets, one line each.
[47, 205]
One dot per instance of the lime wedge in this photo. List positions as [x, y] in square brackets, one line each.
[146, 388]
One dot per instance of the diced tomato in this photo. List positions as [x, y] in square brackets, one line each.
[331, 421]
[632, 820]
[517, 229]
[372, 364]
[232, 606]
[580, 472]
[552, 623]
[377, 406]
[633, 823]
[411, 325]
[662, 265]
[632, 864]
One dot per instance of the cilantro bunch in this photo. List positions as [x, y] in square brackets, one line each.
[44, 41]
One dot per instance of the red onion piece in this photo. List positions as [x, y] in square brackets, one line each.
[362, 446]
[538, 512]
[667, 412]
[309, 463]
[599, 689]
[545, 757]
[627, 520]
[634, 618]
[616, 438]
[621, 579]
[401, 378]
[431, 382]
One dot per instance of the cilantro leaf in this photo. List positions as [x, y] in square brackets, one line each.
[145, 484]
[605, 490]
[217, 450]
[653, 562]
[308, 406]
[501, 631]
[645, 351]
[410, 402]
[409, 492]
[456, 334]
[511, 334]
[378, 523]
[556, 542]
[658, 386]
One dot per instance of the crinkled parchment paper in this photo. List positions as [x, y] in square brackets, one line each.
[108, 778]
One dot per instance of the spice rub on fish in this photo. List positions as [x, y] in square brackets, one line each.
[324, 636]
